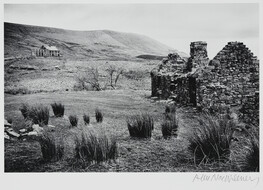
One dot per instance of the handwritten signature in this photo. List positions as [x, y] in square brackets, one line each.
[228, 178]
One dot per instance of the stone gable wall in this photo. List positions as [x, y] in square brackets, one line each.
[234, 74]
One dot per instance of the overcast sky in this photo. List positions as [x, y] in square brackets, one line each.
[175, 25]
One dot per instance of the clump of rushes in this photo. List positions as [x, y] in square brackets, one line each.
[140, 125]
[210, 141]
[247, 153]
[98, 115]
[86, 119]
[73, 119]
[58, 109]
[50, 151]
[24, 110]
[92, 147]
[170, 126]
[38, 114]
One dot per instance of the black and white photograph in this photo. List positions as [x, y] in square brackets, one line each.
[131, 88]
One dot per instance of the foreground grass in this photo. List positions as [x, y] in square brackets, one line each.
[134, 155]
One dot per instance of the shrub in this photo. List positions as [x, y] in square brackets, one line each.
[38, 114]
[140, 125]
[170, 127]
[24, 110]
[210, 142]
[98, 115]
[50, 151]
[73, 119]
[90, 80]
[58, 109]
[86, 119]
[16, 90]
[94, 147]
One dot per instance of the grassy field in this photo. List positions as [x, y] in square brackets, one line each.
[156, 154]
[60, 74]
[53, 80]
[134, 155]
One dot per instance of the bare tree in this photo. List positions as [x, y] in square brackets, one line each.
[119, 72]
[112, 69]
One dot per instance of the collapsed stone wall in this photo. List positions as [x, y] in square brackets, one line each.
[170, 79]
[231, 78]
[164, 76]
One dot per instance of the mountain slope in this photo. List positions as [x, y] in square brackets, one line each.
[20, 40]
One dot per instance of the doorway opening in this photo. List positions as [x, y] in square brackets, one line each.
[192, 90]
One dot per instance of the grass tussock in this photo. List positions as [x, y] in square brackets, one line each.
[38, 114]
[210, 141]
[86, 119]
[58, 109]
[50, 151]
[24, 108]
[95, 147]
[247, 153]
[73, 119]
[98, 115]
[140, 125]
[170, 126]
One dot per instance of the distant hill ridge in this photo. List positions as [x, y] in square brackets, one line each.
[20, 40]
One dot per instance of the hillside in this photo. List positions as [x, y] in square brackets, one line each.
[20, 40]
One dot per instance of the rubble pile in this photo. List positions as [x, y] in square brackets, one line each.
[32, 130]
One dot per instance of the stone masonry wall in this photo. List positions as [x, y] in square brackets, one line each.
[198, 55]
[234, 74]
[249, 112]
[164, 76]
[230, 79]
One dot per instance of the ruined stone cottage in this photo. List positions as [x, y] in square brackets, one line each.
[230, 78]
[47, 51]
